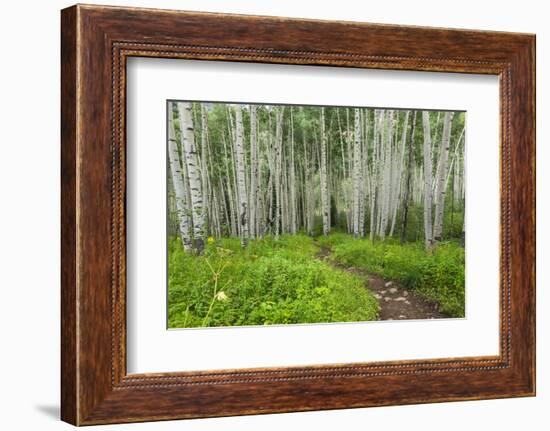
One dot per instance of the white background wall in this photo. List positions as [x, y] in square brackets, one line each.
[29, 215]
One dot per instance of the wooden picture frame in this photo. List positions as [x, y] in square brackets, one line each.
[95, 43]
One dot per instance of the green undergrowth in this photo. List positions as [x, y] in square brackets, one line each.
[437, 276]
[270, 282]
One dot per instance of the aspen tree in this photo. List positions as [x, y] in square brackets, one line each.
[279, 111]
[253, 171]
[203, 158]
[191, 162]
[427, 180]
[356, 172]
[407, 188]
[374, 175]
[387, 174]
[241, 176]
[441, 177]
[325, 199]
[365, 180]
[178, 180]
[399, 173]
[230, 195]
[292, 179]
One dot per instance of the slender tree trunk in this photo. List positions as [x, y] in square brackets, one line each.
[292, 178]
[285, 188]
[253, 170]
[345, 173]
[278, 166]
[191, 161]
[381, 169]
[427, 180]
[216, 214]
[230, 194]
[309, 198]
[178, 183]
[329, 176]
[407, 191]
[454, 159]
[374, 175]
[223, 204]
[325, 199]
[270, 198]
[232, 152]
[442, 175]
[435, 136]
[387, 174]
[260, 184]
[397, 194]
[356, 173]
[365, 185]
[204, 161]
[241, 176]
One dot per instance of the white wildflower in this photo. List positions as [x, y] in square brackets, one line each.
[221, 296]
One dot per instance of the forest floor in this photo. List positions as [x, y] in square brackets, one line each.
[302, 279]
[395, 301]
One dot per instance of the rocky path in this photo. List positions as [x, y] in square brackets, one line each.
[396, 302]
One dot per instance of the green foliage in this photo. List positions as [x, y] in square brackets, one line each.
[317, 225]
[438, 276]
[335, 238]
[453, 220]
[270, 282]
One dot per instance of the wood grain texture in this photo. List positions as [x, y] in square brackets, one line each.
[96, 41]
[69, 367]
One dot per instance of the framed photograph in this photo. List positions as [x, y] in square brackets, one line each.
[264, 214]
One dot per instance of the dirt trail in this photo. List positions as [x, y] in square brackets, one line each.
[396, 302]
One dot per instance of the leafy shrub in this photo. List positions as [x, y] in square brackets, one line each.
[270, 282]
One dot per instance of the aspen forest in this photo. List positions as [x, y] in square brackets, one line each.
[280, 214]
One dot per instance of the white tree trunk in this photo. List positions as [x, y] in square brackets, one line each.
[325, 202]
[278, 167]
[365, 180]
[407, 186]
[193, 173]
[398, 181]
[387, 174]
[381, 170]
[241, 176]
[374, 174]
[309, 197]
[253, 171]
[203, 158]
[230, 194]
[233, 166]
[345, 173]
[454, 159]
[292, 180]
[441, 177]
[427, 180]
[356, 173]
[178, 179]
